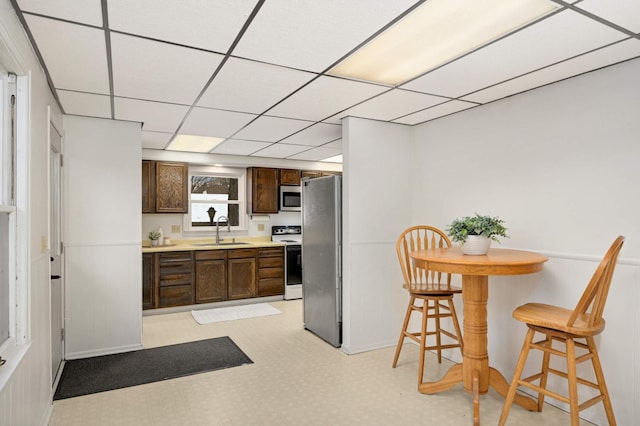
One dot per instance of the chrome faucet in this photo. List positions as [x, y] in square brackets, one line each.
[218, 227]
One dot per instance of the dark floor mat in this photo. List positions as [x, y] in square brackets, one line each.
[108, 372]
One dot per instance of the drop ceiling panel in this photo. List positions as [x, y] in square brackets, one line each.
[214, 122]
[155, 140]
[157, 71]
[87, 104]
[624, 13]
[316, 135]
[250, 86]
[325, 97]
[334, 144]
[239, 147]
[271, 129]
[317, 154]
[206, 24]
[76, 57]
[155, 116]
[280, 150]
[310, 34]
[393, 104]
[590, 61]
[435, 112]
[558, 37]
[84, 11]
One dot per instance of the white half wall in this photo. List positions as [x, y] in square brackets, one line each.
[376, 207]
[102, 183]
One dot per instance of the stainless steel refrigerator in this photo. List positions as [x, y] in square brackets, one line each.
[322, 257]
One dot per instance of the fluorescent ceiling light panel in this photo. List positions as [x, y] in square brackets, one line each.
[334, 159]
[435, 33]
[192, 143]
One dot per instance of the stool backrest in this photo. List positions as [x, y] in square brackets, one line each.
[595, 295]
[421, 237]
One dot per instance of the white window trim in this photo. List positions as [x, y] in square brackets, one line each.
[238, 173]
[16, 347]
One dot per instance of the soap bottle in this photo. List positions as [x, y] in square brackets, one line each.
[161, 239]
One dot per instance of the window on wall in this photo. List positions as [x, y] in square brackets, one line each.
[7, 208]
[215, 195]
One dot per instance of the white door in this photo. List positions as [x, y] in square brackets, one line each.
[55, 232]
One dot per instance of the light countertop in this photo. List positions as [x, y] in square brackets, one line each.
[209, 244]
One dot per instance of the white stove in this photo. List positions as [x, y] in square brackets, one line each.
[292, 237]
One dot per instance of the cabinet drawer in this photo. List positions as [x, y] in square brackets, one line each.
[241, 253]
[175, 279]
[271, 262]
[170, 258]
[271, 252]
[176, 296]
[211, 255]
[270, 287]
[270, 273]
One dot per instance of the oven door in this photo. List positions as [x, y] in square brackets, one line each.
[294, 264]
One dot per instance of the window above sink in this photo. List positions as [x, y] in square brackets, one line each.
[216, 194]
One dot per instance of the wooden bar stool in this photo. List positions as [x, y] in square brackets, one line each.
[565, 326]
[432, 289]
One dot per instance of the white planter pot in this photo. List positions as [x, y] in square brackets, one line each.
[476, 245]
[154, 242]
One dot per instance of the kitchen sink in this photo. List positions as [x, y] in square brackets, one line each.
[237, 243]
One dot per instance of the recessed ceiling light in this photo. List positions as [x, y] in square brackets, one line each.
[435, 33]
[193, 143]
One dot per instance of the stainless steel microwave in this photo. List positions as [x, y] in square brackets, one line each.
[290, 199]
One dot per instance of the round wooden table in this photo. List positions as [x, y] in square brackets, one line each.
[475, 271]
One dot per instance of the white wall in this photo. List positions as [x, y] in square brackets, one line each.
[26, 398]
[103, 187]
[376, 208]
[559, 164]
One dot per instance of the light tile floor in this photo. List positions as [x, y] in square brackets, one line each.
[296, 379]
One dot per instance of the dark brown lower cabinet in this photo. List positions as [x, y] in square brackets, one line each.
[182, 278]
[211, 276]
[175, 279]
[149, 274]
[270, 271]
[241, 267]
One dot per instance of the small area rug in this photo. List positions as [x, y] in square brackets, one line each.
[231, 313]
[117, 371]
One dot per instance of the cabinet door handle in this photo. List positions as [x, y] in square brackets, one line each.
[55, 277]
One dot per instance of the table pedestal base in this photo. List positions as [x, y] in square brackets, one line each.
[496, 381]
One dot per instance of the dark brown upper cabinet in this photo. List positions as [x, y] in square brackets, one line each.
[165, 187]
[262, 190]
[289, 177]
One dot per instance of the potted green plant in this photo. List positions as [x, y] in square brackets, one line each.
[154, 236]
[475, 233]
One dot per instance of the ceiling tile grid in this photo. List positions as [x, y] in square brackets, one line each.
[76, 57]
[315, 135]
[214, 122]
[254, 71]
[206, 24]
[84, 11]
[154, 71]
[155, 116]
[87, 104]
[250, 86]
